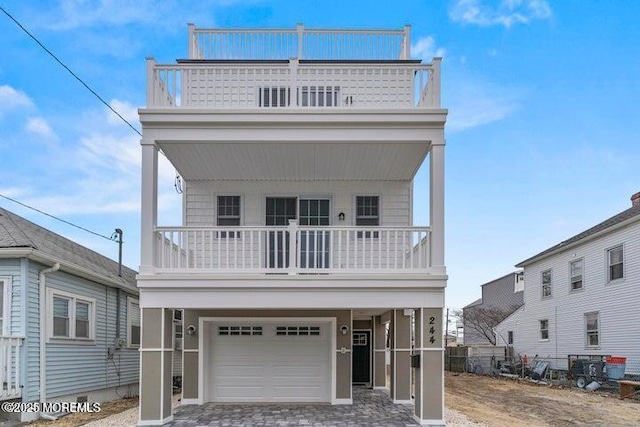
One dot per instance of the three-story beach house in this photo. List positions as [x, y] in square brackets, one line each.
[297, 261]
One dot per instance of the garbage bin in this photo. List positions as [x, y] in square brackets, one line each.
[616, 367]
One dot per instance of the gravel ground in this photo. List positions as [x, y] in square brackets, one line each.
[129, 418]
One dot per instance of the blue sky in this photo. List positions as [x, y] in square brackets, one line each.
[542, 134]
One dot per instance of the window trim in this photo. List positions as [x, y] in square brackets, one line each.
[550, 284]
[586, 330]
[131, 301]
[608, 263]
[540, 330]
[581, 288]
[72, 298]
[509, 337]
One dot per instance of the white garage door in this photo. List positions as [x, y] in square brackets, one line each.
[270, 362]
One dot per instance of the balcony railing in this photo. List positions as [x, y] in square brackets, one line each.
[10, 367]
[292, 84]
[292, 249]
[300, 43]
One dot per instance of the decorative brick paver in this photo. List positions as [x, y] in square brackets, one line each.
[371, 408]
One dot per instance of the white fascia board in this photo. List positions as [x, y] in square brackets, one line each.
[43, 258]
[582, 241]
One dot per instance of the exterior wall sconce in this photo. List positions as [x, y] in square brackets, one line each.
[344, 329]
[341, 216]
[191, 330]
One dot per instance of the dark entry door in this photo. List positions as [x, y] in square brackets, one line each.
[361, 357]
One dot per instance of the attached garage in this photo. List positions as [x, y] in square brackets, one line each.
[252, 360]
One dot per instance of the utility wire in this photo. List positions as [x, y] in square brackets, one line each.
[55, 217]
[69, 70]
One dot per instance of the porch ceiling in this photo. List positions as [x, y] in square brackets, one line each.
[317, 161]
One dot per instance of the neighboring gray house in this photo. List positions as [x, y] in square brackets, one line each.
[500, 298]
[65, 307]
[581, 296]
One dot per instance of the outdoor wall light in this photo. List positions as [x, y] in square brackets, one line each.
[344, 329]
[341, 216]
[191, 330]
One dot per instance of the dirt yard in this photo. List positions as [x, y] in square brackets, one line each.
[503, 402]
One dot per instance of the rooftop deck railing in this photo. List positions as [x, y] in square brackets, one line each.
[300, 43]
[293, 84]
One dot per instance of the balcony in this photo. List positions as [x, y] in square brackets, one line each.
[293, 250]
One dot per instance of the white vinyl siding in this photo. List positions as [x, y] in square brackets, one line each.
[70, 316]
[201, 199]
[545, 278]
[615, 259]
[592, 329]
[575, 275]
[616, 303]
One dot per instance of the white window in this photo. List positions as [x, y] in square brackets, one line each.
[592, 329]
[575, 275]
[228, 214]
[367, 213]
[5, 306]
[133, 322]
[274, 97]
[509, 337]
[546, 284]
[615, 258]
[359, 338]
[70, 316]
[320, 96]
[544, 329]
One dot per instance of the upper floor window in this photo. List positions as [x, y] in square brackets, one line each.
[228, 213]
[546, 284]
[367, 213]
[592, 329]
[319, 96]
[70, 316]
[615, 259]
[544, 329]
[575, 275]
[274, 97]
[133, 322]
[510, 337]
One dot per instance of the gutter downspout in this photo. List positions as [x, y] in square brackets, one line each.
[43, 332]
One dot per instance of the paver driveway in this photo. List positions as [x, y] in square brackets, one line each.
[371, 408]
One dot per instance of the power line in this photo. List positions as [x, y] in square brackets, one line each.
[55, 217]
[69, 70]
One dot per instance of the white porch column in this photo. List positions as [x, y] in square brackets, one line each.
[149, 208]
[436, 205]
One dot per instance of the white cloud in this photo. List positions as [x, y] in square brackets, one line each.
[12, 99]
[506, 13]
[425, 48]
[40, 127]
[477, 103]
[128, 111]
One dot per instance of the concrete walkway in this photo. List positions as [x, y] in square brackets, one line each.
[371, 408]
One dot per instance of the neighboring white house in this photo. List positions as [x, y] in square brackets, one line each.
[581, 296]
[68, 309]
[298, 149]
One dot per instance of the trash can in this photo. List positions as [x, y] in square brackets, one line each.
[616, 367]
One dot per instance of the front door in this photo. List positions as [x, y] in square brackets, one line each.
[314, 244]
[361, 357]
[279, 211]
